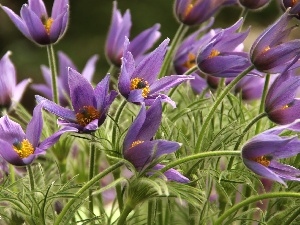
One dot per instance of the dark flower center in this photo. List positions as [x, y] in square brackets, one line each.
[86, 115]
[23, 148]
[264, 160]
[140, 83]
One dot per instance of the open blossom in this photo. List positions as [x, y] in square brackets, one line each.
[281, 104]
[271, 52]
[138, 83]
[62, 81]
[262, 152]
[195, 12]
[119, 28]
[139, 147]
[90, 105]
[221, 56]
[20, 148]
[35, 23]
[11, 92]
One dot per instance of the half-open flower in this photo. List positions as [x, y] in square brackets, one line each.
[271, 52]
[262, 152]
[281, 104]
[11, 92]
[35, 23]
[20, 148]
[119, 28]
[63, 85]
[139, 147]
[195, 12]
[222, 57]
[139, 83]
[90, 106]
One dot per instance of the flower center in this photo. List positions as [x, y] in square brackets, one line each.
[294, 2]
[47, 23]
[135, 143]
[287, 105]
[23, 148]
[86, 115]
[263, 160]
[140, 83]
[266, 49]
[191, 62]
[214, 53]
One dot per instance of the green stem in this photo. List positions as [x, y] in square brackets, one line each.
[122, 219]
[112, 71]
[244, 15]
[52, 66]
[116, 120]
[116, 175]
[292, 217]
[262, 102]
[159, 207]
[92, 173]
[85, 187]
[252, 122]
[216, 104]
[198, 156]
[12, 175]
[150, 212]
[168, 57]
[30, 176]
[253, 199]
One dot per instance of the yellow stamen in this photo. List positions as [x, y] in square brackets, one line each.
[23, 148]
[140, 83]
[263, 160]
[294, 2]
[266, 49]
[47, 23]
[214, 53]
[191, 62]
[86, 115]
[189, 8]
[135, 143]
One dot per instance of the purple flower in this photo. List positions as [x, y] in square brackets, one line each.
[10, 93]
[35, 23]
[221, 57]
[254, 4]
[63, 85]
[262, 152]
[294, 5]
[195, 12]
[20, 148]
[281, 104]
[138, 83]
[140, 149]
[271, 52]
[119, 28]
[90, 106]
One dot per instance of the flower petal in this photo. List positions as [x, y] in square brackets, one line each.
[10, 131]
[90, 67]
[101, 92]
[38, 7]
[35, 126]
[59, 7]
[19, 91]
[172, 174]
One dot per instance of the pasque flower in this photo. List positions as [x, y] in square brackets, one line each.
[262, 152]
[254, 4]
[281, 104]
[195, 12]
[271, 52]
[222, 57]
[138, 83]
[63, 85]
[119, 28]
[35, 23]
[10, 92]
[90, 106]
[139, 147]
[20, 148]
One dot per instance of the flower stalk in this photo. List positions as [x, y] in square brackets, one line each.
[52, 66]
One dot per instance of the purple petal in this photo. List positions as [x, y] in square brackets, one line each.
[19, 91]
[90, 67]
[134, 129]
[59, 7]
[10, 130]
[164, 98]
[57, 110]
[35, 126]
[58, 27]
[19, 23]
[35, 26]
[283, 169]
[48, 142]
[150, 66]
[101, 92]
[168, 82]
[38, 7]
[135, 96]
[81, 91]
[172, 174]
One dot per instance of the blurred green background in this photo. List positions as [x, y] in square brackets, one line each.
[88, 26]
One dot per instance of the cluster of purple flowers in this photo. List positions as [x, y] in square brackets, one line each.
[218, 53]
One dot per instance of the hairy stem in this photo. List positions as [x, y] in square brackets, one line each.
[52, 66]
